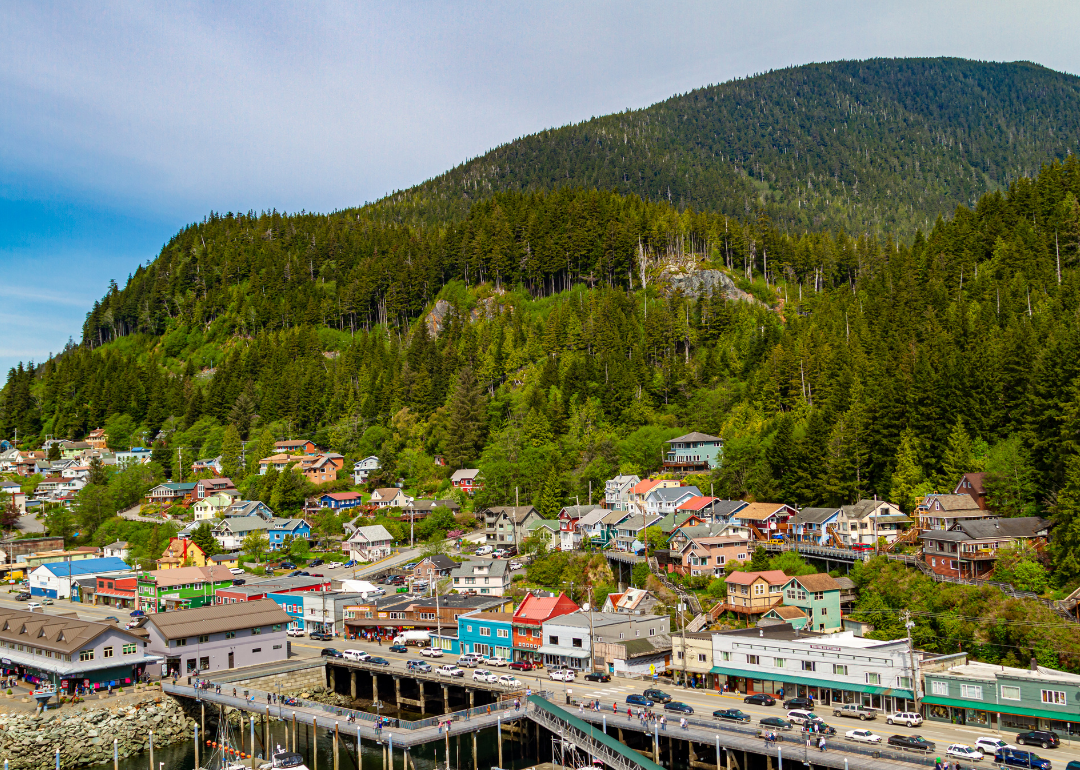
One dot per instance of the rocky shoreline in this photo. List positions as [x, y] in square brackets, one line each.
[85, 735]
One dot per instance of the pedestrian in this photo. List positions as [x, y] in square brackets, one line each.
[234, 692]
[821, 743]
[781, 693]
[580, 709]
[267, 699]
[615, 708]
[808, 739]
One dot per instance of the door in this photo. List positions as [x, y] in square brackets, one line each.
[230, 660]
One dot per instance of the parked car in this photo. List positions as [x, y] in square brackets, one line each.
[137, 613]
[1021, 758]
[483, 675]
[862, 736]
[377, 661]
[411, 565]
[498, 662]
[422, 666]
[356, 655]
[521, 665]
[286, 565]
[682, 708]
[638, 700]
[236, 570]
[238, 581]
[46, 600]
[562, 674]
[431, 652]
[398, 648]
[33, 606]
[760, 699]
[320, 636]
[334, 565]
[23, 596]
[1048, 739]
[597, 676]
[468, 660]
[450, 670]
[295, 632]
[801, 717]
[515, 565]
[294, 573]
[657, 696]
[912, 743]
[732, 715]
[989, 746]
[509, 681]
[1074, 765]
[854, 710]
[965, 752]
[330, 652]
[350, 563]
[315, 563]
[799, 703]
[909, 718]
[777, 722]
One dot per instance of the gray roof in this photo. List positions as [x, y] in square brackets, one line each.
[517, 514]
[496, 567]
[954, 502]
[1021, 526]
[580, 619]
[815, 515]
[940, 534]
[694, 437]
[440, 561]
[215, 618]
[581, 510]
[370, 533]
[728, 507]
[244, 524]
[671, 494]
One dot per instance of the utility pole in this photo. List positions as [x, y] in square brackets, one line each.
[592, 638]
[514, 523]
[909, 624]
[682, 632]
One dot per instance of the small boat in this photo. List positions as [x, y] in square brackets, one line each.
[285, 760]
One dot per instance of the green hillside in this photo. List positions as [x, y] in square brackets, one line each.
[881, 145]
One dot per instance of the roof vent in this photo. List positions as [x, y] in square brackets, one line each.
[761, 632]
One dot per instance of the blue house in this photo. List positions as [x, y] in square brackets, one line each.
[693, 452]
[817, 525]
[287, 529]
[59, 579]
[487, 633]
[293, 604]
[340, 500]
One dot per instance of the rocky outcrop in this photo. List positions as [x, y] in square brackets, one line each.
[698, 283]
[489, 307]
[85, 735]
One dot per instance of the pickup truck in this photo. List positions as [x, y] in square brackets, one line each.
[854, 710]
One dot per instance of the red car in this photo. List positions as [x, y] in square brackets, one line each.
[521, 665]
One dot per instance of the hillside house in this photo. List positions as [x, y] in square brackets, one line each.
[482, 576]
[418, 510]
[363, 469]
[970, 549]
[640, 491]
[389, 497]
[338, 501]
[942, 512]
[630, 532]
[632, 601]
[507, 524]
[664, 500]
[322, 469]
[972, 484]
[694, 452]
[213, 506]
[118, 549]
[181, 553]
[279, 462]
[207, 487]
[98, 439]
[570, 534]
[301, 446]
[863, 523]
[548, 532]
[767, 521]
[211, 464]
[711, 508]
[617, 492]
[435, 567]
[171, 492]
[818, 598]
[370, 543]
[709, 555]
[817, 526]
[230, 532]
[468, 480]
[284, 531]
[241, 508]
[752, 593]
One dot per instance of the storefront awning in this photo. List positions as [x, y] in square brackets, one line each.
[548, 649]
[997, 708]
[810, 681]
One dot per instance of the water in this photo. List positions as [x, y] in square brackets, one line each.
[181, 756]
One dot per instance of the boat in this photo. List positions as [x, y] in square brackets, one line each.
[284, 760]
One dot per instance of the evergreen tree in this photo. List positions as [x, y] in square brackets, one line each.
[54, 452]
[959, 457]
[203, 536]
[93, 506]
[1065, 544]
[161, 455]
[154, 546]
[1010, 480]
[549, 502]
[98, 473]
[230, 453]
[907, 477]
[466, 421]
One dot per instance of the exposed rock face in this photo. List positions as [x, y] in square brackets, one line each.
[487, 308]
[697, 283]
[29, 741]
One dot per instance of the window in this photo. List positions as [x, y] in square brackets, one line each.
[555, 639]
[576, 641]
[485, 631]
[180, 642]
[204, 664]
[1054, 697]
[759, 589]
[839, 669]
[809, 665]
[779, 662]
[277, 646]
[230, 634]
[1010, 693]
[971, 691]
[903, 681]
[725, 656]
[256, 649]
[277, 627]
[939, 688]
[872, 678]
[652, 632]
[701, 657]
[106, 652]
[86, 655]
[752, 660]
[823, 611]
[502, 633]
[129, 649]
[203, 638]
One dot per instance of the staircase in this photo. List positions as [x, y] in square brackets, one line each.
[911, 537]
[757, 533]
[834, 540]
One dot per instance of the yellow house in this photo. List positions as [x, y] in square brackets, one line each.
[227, 560]
[182, 553]
[212, 506]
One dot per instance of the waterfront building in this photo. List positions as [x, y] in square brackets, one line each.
[529, 618]
[490, 577]
[486, 633]
[180, 588]
[54, 580]
[567, 642]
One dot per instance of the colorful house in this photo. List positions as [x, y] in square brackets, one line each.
[818, 526]
[171, 492]
[180, 588]
[752, 593]
[285, 531]
[528, 620]
[338, 501]
[296, 447]
[818, 597]
[362, 469]
[468, 480]
[696, 452]
[181, 553]
[487, 633]
[213, 506]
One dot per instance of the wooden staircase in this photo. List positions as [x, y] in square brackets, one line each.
[911, 537]
[834, 540]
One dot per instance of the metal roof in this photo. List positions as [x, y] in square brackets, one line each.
[216, 618]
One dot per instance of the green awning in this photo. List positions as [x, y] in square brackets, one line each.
[806, 680]
[997, 708]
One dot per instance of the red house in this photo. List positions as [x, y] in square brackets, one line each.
[468, 480]
[528, 622]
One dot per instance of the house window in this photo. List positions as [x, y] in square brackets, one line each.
[256, 649]
[553, 639]
[502, 633]
[86, 655]
[1053, 697]
[1010, 693]
[872, 678]
[941, 688]
[752, 660]
[204, 664]
[230, 634]
[652, 632]
[485, 631]
[779, 662]
[576, 641]
[971, 691]
[701, 657]
[180, 642]
[204, 638]
[823, 610]
[256, 631]
[129, 649]
[809, 665]
[839, 669]
[106, 652]
[759, 589]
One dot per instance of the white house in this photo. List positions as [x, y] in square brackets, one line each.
[213, 506]
[484, 576]
[55, 579]
[362, 469]
[118, 549]
[566, 643]
[664, 500]
[389, 497]
[230, 533]
[617, 492]
[370, 543]
[9, 489]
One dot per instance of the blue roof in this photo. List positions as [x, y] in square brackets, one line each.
[87, 566]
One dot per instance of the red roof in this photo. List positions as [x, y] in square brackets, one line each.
[697, 503]
[644, 486]
[343, 496]
[537, 609]
[771, 576]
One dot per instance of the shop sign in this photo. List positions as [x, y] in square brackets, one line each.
[825, 647]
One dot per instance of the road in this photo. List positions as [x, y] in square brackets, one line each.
[704, 702]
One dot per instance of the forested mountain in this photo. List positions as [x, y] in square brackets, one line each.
[881, 146]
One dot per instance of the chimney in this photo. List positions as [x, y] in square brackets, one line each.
[1034, 665]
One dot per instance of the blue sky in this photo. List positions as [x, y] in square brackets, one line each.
[121, 122]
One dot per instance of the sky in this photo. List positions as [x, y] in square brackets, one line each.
[123, 121]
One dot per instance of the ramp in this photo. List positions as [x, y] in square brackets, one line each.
[586, 737]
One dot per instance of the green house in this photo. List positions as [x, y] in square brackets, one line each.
[180, 588]
[818, 596]
[1003, 698]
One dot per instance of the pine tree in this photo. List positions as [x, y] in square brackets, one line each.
[231, 448]
[907, 477]
[550, 500]
[1066, 515]
[161, 455]
[959, 457]
[203, 536]
[466, 421]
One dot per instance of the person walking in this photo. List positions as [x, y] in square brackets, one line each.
[821, 743]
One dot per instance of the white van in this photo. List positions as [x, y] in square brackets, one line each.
[355, 655]
[484, 550]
